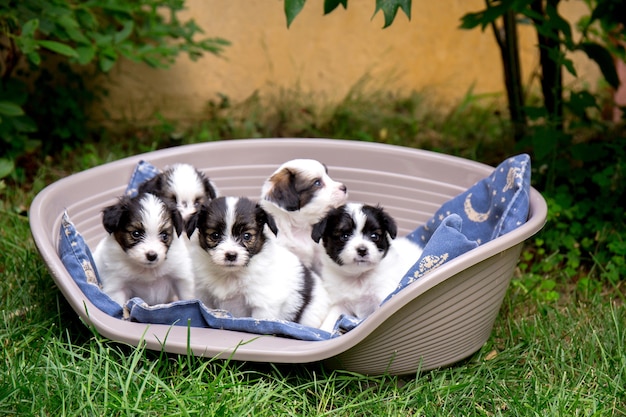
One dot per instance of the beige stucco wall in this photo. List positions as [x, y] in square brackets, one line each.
[325, 56]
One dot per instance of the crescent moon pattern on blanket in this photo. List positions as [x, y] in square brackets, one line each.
[472, 214]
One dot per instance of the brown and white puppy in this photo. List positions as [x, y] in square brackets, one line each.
[142, 255]
[239, 267]
[298, 194]
[365, 260]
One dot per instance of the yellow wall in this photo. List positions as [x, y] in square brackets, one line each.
[323, 55]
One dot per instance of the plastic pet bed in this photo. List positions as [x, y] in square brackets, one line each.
[472, 220]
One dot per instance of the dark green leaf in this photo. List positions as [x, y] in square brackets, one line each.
[471, 20]
[330, 5]
[106, 63]
[76, 35]
[484, 17]
[6, 167]
[86, 18]
[67, 21]
[102, 39]
[292, 9]
[125, 32]
[555, 21]
[8, 108]
[59, 48]
[29, 28]
[34, 57]
[24, 124]
[603, 58]
[569, 66]
[26, 44]
[390, 9]
[85, 53]
[72, 28]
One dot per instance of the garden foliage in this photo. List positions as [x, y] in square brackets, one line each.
[45, 46]
[579, 157]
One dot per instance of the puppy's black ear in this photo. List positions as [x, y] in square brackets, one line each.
[192, 222]
[209, 190]
[177, 219]
[318, 230]
[283, 192]
[263, 217]
[389, 223]
[112, 215]
[153, 186]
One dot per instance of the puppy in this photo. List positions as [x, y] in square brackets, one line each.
[364, 261]
[240, 267]
[298, 194]
[142, 256]
[183, 185]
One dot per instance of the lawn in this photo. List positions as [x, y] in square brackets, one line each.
[563, 354]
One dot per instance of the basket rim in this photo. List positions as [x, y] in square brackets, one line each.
[262, 348]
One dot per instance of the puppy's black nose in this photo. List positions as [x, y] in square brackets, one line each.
[361, 251]
[231, 256]
[151, 256]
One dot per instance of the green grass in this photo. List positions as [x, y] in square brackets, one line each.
[545, 357]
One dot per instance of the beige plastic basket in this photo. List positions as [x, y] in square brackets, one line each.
[438, 320]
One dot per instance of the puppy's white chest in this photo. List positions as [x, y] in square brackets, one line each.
[299, 242]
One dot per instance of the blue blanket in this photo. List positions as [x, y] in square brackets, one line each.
[490, 208]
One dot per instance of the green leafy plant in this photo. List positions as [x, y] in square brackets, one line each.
[45, 48]
[388, 7]
[555, 38]
[583, 240]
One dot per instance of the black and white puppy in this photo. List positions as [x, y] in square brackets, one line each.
[183, 185]
[364, 260]
[142, 255]
[298, 194]
[239, 266]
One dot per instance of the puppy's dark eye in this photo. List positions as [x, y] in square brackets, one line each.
[344, 237]
[197, 203]
[136, 234]
[246, 236]
[164, 236]
[375, 237]
[317, 183]
[214, 235]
